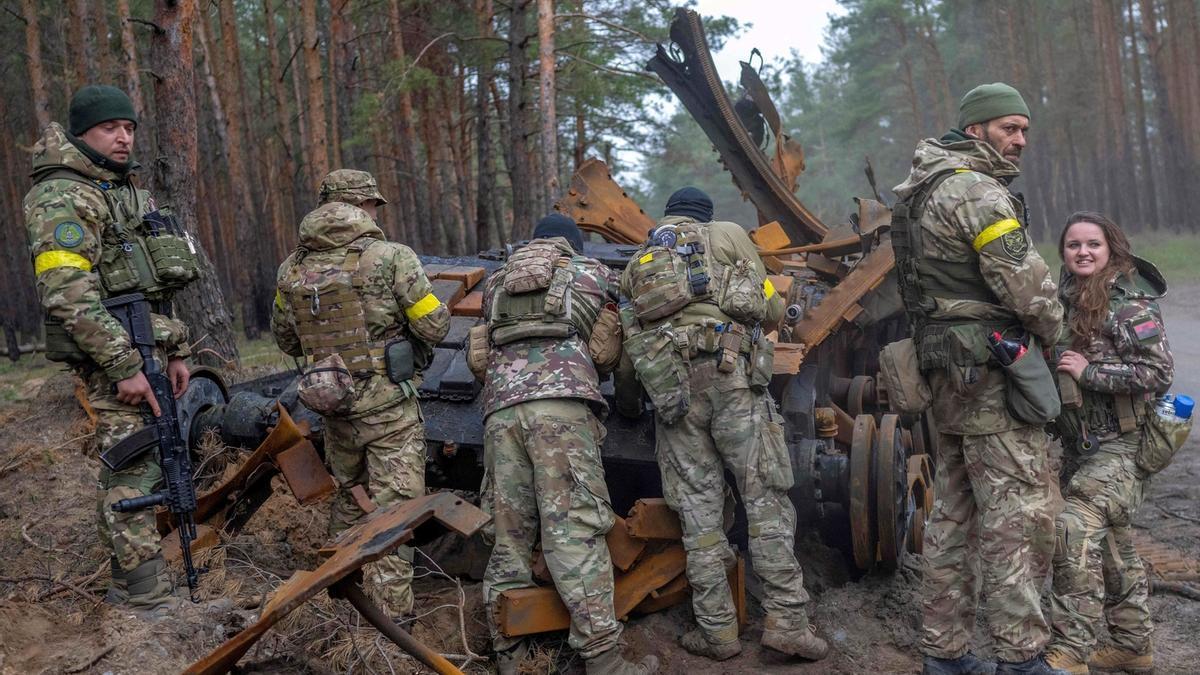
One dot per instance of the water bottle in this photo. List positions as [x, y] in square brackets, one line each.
[1171, 406]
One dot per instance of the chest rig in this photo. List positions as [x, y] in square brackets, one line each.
[922, 280]
[327, 306]
[534, 298]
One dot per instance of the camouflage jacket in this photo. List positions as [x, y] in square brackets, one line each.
[972, 217]
[541, 368]
[1130, 355]
[397, 297]
[727, 244]
[70, 226]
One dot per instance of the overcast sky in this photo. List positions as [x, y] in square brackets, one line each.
[776, 28]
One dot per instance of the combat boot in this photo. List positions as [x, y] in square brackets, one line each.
[1112, 659]
[696, 642]
[1034, 666]
[967, 664]
[150, 589]
[794, 637]
[508, 662]
[118, 590]
[1066, 662]
[611, 662]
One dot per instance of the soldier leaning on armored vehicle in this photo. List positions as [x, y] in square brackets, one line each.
[700, 302]
[551, 328]
[966, 270]
[1115, 351]
[362, 312]
[94, 235]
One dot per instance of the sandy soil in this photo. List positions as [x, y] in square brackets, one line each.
[53, 573]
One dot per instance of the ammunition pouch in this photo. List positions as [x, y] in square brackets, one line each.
[534, 298]
[154, 263]
[659, 358]
[478, 349]
[900, 372]
[1030, 389]
[762, 364]
[327, 387]
[60, 346]
[604, 345]
[399, 361]
[1161, 439]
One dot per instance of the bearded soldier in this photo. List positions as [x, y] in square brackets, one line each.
[700, 303]
[362, 313]
[94, 235]
[967, 270]
[552, 324]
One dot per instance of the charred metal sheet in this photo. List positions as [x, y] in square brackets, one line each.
[364, 543]
[527, 611]
[840, 302]
[623, 548]
[653, 519]
[690, 73]
[599, 205]
[305, 473]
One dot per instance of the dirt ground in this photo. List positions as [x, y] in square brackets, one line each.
[53, 573]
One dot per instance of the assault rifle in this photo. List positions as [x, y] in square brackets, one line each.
[179, 495]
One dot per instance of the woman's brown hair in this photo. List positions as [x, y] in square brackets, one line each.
[1089, 295]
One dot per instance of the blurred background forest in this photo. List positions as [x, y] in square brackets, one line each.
[474, 113]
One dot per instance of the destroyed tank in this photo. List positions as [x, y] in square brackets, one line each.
[863, 473]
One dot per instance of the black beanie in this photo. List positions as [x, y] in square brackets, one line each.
[98, 103]
[691, 202]
[558, 225]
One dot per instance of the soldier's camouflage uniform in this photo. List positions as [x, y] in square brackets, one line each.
[1096, 568]
[993, 517]
[542, 438]
[380, 443]
[729, 426]
[70, 226]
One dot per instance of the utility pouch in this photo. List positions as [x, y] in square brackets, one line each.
[661, 368]
[660, 283]
[531, 269]
[604, 344]
[1030, 389]
[900, 373]
[399, 361]
[327, 387]
[478, 349]
[60, 346]
[1161, 438]
[740, 293]
[762, 367]
[124, 267]
[730, 347]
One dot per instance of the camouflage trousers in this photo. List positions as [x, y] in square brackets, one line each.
[543, 464]
[1096, 567]
[992, 525]
[729, 426]
[132, 537]
[384, 452]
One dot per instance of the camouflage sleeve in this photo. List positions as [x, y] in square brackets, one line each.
[730, 244]
[64, 222]
[283, 326]
[609, 282]
[1011, 266]
[428, 318]
[1146, 364]
[625, 284]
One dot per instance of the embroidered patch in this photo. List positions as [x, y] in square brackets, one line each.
[1146, 330]
[1015, 244]
[68, 234]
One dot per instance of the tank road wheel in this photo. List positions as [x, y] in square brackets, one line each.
[862, 516]
[891, 494]
[859, 395]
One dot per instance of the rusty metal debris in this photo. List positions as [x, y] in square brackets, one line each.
[364, 543]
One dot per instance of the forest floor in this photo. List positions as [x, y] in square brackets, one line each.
[53, 571]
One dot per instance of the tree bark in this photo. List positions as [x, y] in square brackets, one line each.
[318, 155]
[201, 305]
[79, 49]
[37, 78]
[104, 62]
[485, 216]
[283, 135]
[519, 169]
[133, 81]
[413, 191]
[1150, 214]
[339, 94]
[548, 92]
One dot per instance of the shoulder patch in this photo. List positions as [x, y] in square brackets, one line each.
[1145, 328]
[1015, 244]
[68, 234]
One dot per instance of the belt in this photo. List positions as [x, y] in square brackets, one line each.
[705, 338]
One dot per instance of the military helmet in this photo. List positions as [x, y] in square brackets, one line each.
[350, 186]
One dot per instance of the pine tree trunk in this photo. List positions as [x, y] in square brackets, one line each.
[339, 95]
[318, 156]
[485, 216]
[520, 170]
[133, 80]
[406, 120]
[37, 78]
[283, 136]
[1174, 190]
[104, 62]
[1150, 214]
[201, 305]
[548, 92]
[79, 49]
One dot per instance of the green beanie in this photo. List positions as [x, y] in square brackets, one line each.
[989, 101]
[98, 103]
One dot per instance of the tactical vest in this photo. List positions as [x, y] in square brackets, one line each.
[672, 271]
[140, 252]
[327, 307]
[921, 279]
[533, 298]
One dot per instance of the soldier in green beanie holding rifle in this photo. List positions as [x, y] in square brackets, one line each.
[968, 273]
